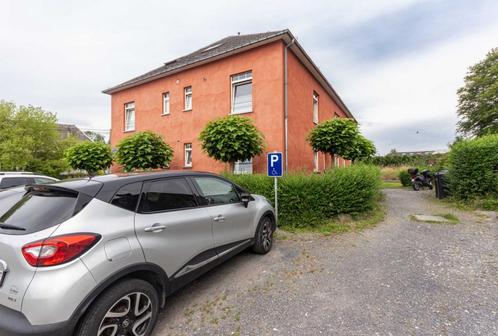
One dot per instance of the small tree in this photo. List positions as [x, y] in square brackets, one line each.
[362, 149]
[90, 156]
[232, 139]
[144, 150]
[336, 136]
[478, 98]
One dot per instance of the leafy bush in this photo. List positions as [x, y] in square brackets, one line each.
[231, 139]
[29, 140]
[473, 168]
[405, 178]
[310, 200]
[89, 156]
[144, 150]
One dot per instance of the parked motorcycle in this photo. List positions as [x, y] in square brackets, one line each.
[420, 180]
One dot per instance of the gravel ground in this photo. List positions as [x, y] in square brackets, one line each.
[400, 278]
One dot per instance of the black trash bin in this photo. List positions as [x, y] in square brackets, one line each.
[441, 185]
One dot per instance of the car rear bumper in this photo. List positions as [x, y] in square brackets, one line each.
[14, 323]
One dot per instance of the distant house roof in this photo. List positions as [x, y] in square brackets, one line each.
[226, 47]
[66, 130]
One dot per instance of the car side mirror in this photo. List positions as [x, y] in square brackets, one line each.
[245, 198]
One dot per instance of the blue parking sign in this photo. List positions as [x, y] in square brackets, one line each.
[275, 164]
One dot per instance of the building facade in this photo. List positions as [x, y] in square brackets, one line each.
[266, 77]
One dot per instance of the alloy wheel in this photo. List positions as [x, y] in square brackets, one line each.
[267, 234]
[129, 316]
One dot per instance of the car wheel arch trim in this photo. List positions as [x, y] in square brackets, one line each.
[117, 276]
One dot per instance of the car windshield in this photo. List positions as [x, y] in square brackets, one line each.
[38, 210]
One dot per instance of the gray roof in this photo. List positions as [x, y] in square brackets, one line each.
[228, 46]
[65, 130]
[217, 48]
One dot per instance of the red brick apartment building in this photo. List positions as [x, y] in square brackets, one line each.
[267, 77]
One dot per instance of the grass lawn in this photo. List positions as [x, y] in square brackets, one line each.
[341, 225]
[391, 185]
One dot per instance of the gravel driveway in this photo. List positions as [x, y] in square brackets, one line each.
[400, 278]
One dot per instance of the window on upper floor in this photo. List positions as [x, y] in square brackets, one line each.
[129, 122]
[242, 93]
[188, 154]
[315, 108]
[165, 103]
[188, 98]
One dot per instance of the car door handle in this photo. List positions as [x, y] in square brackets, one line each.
[155, 228]
[219, 218]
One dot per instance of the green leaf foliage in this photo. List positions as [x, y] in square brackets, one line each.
[311, 200]
[473, 168]
[143, 151]
[341, 136]
[231, 139]
[90, 156]
[405, 178]
[478, 98]
[29, 140]
[362, 149]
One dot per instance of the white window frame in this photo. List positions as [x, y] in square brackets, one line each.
[316, 162]
[238, 80]
[129, 108]
[186, 149]
[315, 108]
[166, 107]
[243, 167]
[187, 93]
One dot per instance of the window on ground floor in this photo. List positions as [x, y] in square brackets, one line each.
[243, 167]
[315, 162]
[188, 155]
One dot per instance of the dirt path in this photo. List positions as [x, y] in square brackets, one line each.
[400, 278]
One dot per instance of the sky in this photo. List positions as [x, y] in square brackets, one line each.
[396, 64]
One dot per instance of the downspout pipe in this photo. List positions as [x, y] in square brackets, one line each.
[286, 108]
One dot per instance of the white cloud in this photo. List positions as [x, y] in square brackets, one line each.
[61, 54]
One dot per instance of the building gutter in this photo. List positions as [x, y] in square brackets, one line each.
[286, 108]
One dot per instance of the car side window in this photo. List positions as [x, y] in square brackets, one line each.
[127, 196]
[215, 191]
[166, 195]
[8, 182]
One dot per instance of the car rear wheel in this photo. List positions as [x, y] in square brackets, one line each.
[263, 240]
[127, 309]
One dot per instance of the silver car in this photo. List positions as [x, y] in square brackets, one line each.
[99, 256]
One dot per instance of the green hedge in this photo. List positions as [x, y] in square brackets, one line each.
[405, 178]
[310, 200]
[473, 168]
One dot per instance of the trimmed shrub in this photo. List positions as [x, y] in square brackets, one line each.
[473, 168]
[89, 156]
[310, 200]
[144, 150]
[405, 178]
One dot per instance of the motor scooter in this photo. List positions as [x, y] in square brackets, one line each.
[421, 180]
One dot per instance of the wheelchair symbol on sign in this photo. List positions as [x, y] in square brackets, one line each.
[274, 172]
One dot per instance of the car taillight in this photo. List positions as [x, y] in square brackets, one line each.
[58, 250]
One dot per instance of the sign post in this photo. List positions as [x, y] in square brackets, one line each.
[274, 164]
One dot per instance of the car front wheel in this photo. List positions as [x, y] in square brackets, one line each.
[263, 240]
[129, 308]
